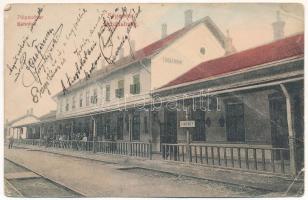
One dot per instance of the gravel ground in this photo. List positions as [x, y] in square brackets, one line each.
[11, 167]
[40, 187]
[32, 187]
[178, 179]
[96, 179]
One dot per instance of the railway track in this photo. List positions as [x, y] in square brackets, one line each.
[23, 182]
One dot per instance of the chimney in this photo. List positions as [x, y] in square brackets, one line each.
[229, 48]
[278, 27]
[188, 17]
[163, 30]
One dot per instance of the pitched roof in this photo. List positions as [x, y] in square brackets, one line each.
[48, 116]
[21, 118]
[152, 49]
[160, 44]
[274, 51]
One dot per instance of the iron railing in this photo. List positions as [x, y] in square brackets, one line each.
[36, 142]
[136, 149]
[275, 160]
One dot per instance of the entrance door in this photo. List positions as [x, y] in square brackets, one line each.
[278, 116]
[136, 127]
[235, 122]
[198, 133]
[169, 135]
[107, 131]
[120, 127]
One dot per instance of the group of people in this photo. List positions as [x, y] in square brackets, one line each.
[80, 136]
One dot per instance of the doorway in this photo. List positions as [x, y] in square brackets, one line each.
[198, 133]
[279, 126]
[136, 126]
[169, 135]
[278, 116]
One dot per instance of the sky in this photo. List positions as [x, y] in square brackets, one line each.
[249, 25]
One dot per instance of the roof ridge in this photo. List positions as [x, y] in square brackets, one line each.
[210, 62]
[265, 44]
[22, 117]
[162, 43]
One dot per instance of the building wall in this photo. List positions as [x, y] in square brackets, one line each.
[113, 117]
[169, 63]
[184, 54]
[100, 85]
[256, 120]
[216, 133]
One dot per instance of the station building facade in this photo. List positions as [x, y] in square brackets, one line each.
[107, 106]
[248, 98]
[253, 98]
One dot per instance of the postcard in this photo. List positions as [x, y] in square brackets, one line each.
[154, 100]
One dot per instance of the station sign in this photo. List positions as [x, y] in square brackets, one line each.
[187, 124]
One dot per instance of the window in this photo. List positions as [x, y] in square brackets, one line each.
[67, 105]
[145, 123]
[127, 122]
[87, 97]
[198, 133]
[107, 92]
[80, 100]
[73, 102]
[279, 125]
[120, 91]
[107, 130]
[235, 121]
[135, 87]
[94, 96]
[202, 50]
[120, 128]
[136, 127]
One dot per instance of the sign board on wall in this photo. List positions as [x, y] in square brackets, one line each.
[172, 60]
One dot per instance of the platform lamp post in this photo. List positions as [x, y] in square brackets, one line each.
[94, 132]
[188, 151]
[291, 133]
